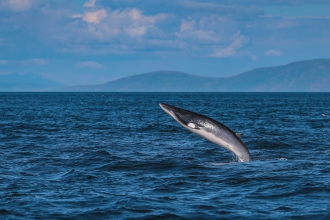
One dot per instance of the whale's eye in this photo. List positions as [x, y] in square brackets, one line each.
[192, 125]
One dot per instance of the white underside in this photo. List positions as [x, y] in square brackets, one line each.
[213, 138]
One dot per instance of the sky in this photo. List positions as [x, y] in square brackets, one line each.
[95, 41]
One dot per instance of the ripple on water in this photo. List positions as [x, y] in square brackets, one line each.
[119, 156]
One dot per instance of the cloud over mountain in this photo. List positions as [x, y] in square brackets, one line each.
[146, 35]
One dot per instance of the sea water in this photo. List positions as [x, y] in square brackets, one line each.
[120, 156]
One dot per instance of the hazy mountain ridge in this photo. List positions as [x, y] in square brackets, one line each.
[307, 76]
[26, 83]
[301, 76]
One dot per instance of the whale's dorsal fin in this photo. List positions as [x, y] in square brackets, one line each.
[239, 135]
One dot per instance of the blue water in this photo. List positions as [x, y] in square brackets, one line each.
[120, 156]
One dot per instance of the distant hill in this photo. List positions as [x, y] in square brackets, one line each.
[160, 81]
[26, 83]
[302, 76]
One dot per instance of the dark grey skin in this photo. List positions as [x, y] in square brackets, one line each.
[209, 129]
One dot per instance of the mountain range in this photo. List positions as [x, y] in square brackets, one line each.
[301, 76]
[26, 83]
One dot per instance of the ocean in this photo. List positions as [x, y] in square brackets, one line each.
[120, 156]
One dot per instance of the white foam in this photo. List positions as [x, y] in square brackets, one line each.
[282, 158]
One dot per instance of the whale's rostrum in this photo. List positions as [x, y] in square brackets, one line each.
[209, 129]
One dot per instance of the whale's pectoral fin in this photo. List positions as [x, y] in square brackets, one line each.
[239, 135]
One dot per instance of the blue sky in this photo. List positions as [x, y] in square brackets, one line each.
[95, 41]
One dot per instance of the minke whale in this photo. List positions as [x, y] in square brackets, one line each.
[209, 129]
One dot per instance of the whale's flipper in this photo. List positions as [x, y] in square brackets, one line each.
[239, 135]
[209, 129]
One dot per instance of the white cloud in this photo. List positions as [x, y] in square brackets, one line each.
[222, 9]
[89, 64]
[129, 22]
[18, 5]
[3, 62]
[36, 61]
[212, 36]
[90, 3]
[102, 30]
[95, 17]
[273, 53]
[296, 17]
[308, 17]
[285, 24]
[207, 30]
[40, 61]
[129, 30]
[187, 26]
[77, 16]
[238, 41]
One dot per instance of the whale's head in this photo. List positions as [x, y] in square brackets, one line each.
[186, 118]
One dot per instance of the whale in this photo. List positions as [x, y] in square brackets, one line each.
[209, 129]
